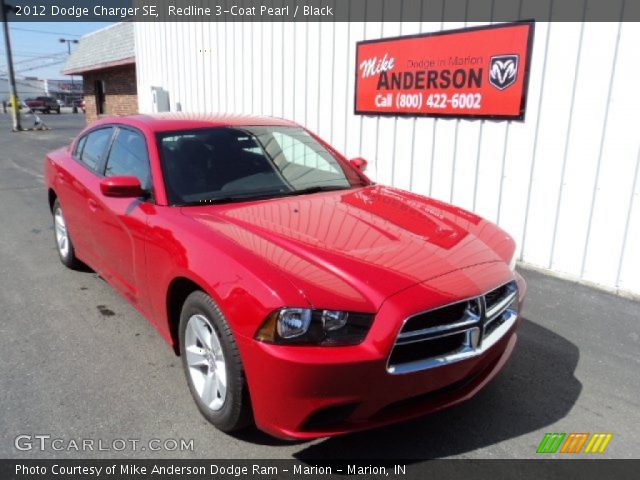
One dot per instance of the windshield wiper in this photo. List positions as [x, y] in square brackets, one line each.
[229, 199]
[316, 189]
[261, 196]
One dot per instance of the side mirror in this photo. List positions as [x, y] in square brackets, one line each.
[359, 163]
[121, 187]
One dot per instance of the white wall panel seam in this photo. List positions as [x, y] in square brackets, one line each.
[625, 235]
[217, 25]
[601, 148]
[282, 66]
[318, 98]
[306, 75]
[453, 162]
[475, 181]
[346, 83]
[535, 136]
[504, 160]
[333, 68]
[273, 80]
[262, 77]
[566, 141]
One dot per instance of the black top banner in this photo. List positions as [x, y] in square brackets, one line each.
[322, 10]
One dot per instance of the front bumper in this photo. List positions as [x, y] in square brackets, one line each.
[310, 392]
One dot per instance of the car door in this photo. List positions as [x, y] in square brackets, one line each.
[77, 185]
[122, 226]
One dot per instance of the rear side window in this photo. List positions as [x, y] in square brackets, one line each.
[94, 147]
[79, 146]
[128, 156]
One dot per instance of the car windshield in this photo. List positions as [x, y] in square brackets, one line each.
[225, 164]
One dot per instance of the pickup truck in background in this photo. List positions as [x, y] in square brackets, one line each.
[43, 104]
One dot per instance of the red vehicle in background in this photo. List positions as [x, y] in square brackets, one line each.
[43, 104]
[300, 295]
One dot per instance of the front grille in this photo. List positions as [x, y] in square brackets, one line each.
[410, 352]
[454, 332]
[435, 318]
[494, 296]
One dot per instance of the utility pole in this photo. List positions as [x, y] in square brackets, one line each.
[73, 100]
[13, 92]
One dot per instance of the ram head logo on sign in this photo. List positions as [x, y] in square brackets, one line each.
[503, 71]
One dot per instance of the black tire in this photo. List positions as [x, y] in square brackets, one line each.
[69, 259]
[235, 412]
[46, 111]
[58, 111]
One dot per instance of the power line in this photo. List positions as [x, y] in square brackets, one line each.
[37, 63]
[31, 55]
[45, 32]
[32, 52]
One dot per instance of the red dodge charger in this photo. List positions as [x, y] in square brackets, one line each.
[300, 295]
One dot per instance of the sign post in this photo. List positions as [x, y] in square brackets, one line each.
[13, 94]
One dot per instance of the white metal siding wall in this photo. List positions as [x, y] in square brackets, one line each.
[564, 183]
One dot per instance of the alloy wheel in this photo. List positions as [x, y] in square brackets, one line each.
[205, 358]
[62, 236]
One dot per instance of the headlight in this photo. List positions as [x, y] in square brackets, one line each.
[293, 322]
[512, 262]
[304, 326]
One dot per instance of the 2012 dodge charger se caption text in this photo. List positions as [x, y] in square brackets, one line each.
[300, 295]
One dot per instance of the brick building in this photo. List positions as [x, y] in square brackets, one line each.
[106, 60]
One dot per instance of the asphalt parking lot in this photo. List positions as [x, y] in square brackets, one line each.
[77, 361]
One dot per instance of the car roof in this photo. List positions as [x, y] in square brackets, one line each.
[162, 122]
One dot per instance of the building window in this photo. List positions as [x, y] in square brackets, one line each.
[100, 100]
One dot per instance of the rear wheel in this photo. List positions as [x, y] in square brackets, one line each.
[64, 245]
[58, 110]
[212, 364]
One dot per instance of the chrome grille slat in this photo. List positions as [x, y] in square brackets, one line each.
[435, 335]
[435, 332]
[501, 305]
[478, 329]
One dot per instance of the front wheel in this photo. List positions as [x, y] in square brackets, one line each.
[212, 364]
[64, 245]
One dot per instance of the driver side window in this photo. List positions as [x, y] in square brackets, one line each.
[94, 146]
[128, 157]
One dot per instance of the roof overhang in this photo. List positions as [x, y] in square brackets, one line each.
[100, 66]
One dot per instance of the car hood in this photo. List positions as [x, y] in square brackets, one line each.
[351, 249]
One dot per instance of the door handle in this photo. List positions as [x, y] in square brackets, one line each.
[93, 205]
